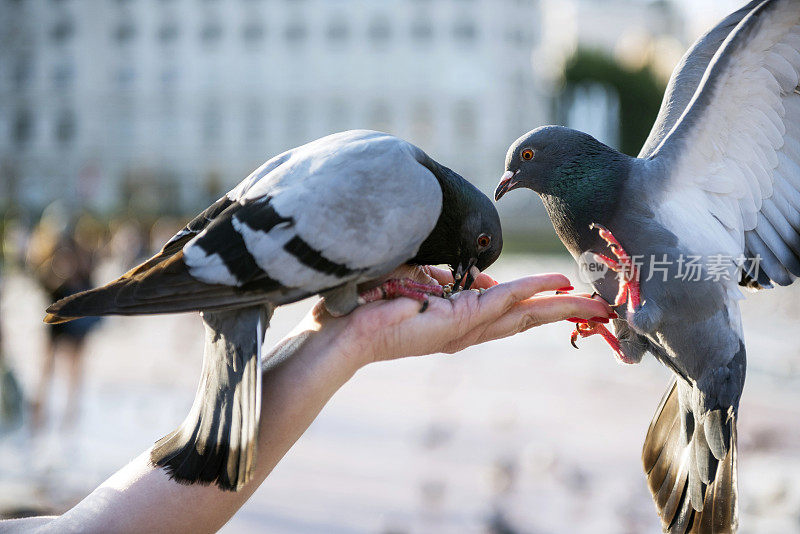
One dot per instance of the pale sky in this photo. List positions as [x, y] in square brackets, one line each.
[702, 14]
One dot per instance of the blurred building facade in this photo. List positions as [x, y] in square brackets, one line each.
[163, 104]
[633, 33]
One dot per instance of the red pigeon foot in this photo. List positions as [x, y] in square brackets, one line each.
[628, 273]
[589, 328]
[402, 287]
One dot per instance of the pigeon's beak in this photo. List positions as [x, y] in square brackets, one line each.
[472, 274]
[468, 274]
[458, 275]
[507, 182]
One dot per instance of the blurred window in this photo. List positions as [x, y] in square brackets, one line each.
[124, 33]
[517, 36]
[22, 71]
[169, 77]
[212, 119]
[465, 31]
[22, 128]
[255, 122]
[295, 32]
[211, 32]
[338, 31]
[65, 127]
[125, 122]
[465, 120]
[168, 32]
[125, 76]
[380, 117]
[253, 32]
[63, 75]
[168, 120]
[296, 120]
[422, 122]
[380, 30]
[422, 29]
[61, 31]
[338, 115]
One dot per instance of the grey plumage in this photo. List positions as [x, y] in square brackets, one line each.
[322, 218]
[717, 181]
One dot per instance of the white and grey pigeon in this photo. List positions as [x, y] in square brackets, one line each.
[712, 203]
[322, 218]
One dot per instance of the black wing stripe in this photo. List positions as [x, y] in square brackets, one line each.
[261, 216]
[229, 245]
[314, 259]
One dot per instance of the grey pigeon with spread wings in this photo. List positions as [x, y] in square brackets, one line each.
[322, 218]
[712, 203]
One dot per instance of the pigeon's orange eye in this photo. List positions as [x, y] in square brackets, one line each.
[527, 154]
[484, 240]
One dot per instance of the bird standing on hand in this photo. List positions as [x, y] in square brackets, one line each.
[715, 188]
[323, 218]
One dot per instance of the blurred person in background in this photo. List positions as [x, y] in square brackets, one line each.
[61, 256]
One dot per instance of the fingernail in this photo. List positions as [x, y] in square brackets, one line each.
[599, 320]
[565, 288]
[613, 315]
[576, 320]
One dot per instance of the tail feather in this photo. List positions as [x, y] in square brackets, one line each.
[690, 472]
[216, 443]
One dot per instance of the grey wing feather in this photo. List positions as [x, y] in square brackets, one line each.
[351, 206]
[730, 164]
[687, 76]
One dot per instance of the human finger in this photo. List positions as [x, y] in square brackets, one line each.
[537, 311]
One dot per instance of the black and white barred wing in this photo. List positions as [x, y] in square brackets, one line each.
[344, 208]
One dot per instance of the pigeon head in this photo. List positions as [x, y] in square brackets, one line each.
[560, 162]
[467, 237]
[480, 237]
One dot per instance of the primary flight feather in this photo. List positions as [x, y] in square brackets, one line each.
[323, 218]
[712, 203]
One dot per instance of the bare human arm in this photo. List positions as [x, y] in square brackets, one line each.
[325, 353]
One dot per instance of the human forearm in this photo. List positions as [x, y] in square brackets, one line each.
[141, 498]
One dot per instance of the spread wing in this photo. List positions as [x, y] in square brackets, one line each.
[687, 76]
[731, 161]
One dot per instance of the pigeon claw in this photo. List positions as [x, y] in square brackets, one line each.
[574, 337]
[590, 328]
[624, 266]
[402, 287]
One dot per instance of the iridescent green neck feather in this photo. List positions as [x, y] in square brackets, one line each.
[585, 190]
